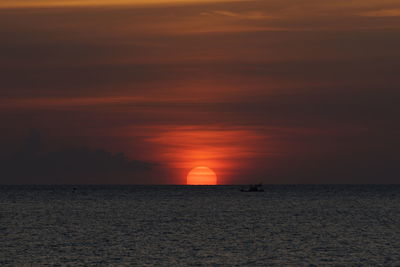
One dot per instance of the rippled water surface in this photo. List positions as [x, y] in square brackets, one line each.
[199, 226]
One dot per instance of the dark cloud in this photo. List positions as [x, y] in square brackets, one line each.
[79, 165]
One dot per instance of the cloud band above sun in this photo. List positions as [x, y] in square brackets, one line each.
[77, 3]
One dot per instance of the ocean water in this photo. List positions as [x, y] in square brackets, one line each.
[199, 226]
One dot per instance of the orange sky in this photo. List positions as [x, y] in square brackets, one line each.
[272, 91]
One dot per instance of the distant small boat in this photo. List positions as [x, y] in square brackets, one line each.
[253, 188]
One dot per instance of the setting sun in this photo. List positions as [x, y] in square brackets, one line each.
[201, 176]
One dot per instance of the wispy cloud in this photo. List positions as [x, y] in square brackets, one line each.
[382, 13]
[251, 15]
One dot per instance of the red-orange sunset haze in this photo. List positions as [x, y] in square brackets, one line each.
[142, 92]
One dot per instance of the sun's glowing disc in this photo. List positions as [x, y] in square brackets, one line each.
[201, 176]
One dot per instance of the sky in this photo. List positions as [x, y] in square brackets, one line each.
[141, 92]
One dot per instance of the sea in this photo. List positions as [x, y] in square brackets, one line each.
[286, 225]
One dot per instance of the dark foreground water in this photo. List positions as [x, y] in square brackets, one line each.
[199, 226]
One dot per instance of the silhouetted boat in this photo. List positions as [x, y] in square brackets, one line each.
[253, 188]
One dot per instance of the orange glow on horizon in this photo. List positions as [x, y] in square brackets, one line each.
[228, 150]
[201, 176]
